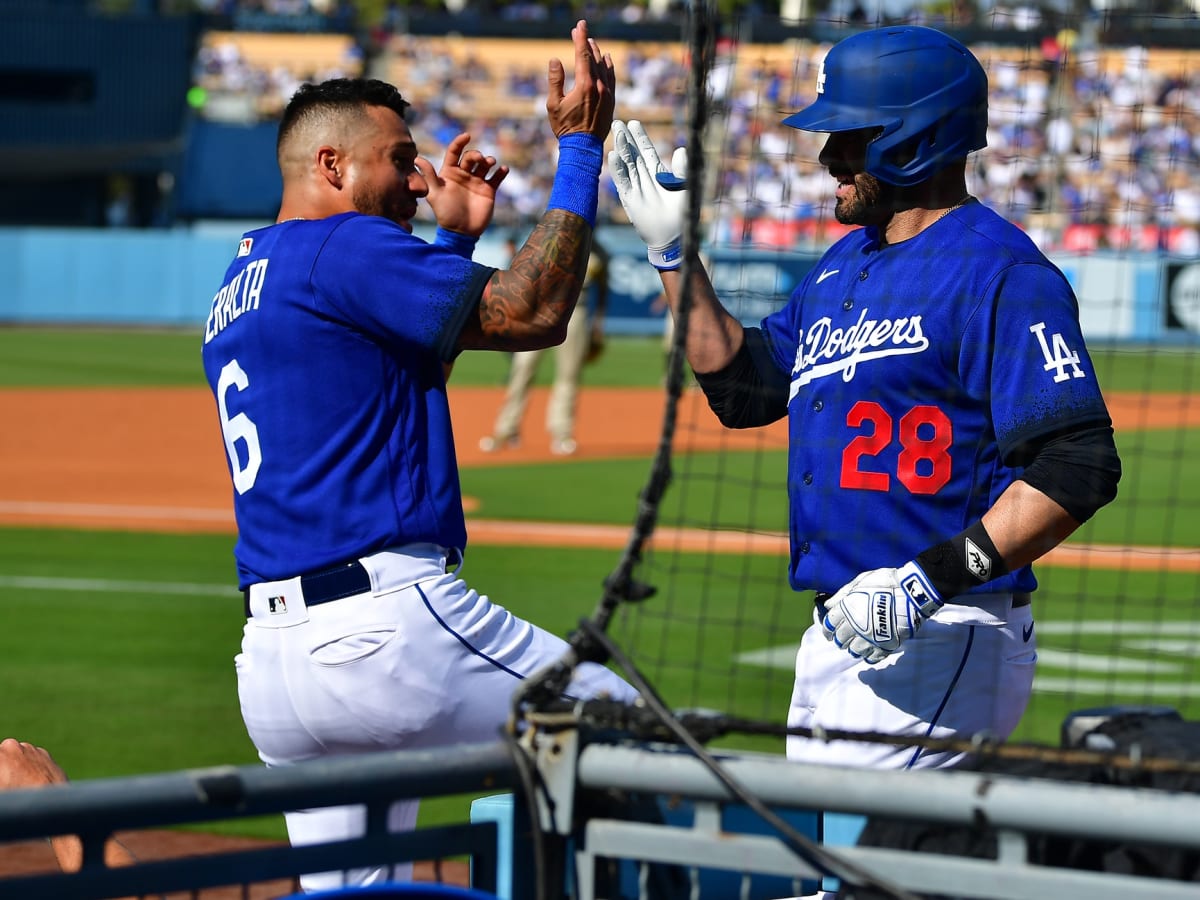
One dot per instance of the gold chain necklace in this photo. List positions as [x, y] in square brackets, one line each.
[967, 198]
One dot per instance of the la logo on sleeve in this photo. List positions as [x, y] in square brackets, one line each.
[1057, 354]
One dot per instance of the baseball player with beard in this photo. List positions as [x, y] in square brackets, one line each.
[946, 427]
[327, 349]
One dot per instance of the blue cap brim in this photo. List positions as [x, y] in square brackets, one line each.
[823, 116]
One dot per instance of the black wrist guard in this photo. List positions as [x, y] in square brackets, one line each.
[967, 560]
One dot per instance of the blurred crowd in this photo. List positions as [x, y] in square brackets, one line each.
[1087, 147]
[231, 84]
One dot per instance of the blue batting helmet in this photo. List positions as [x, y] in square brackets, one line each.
[925, 90]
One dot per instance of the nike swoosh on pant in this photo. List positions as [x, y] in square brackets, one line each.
[1027, 632]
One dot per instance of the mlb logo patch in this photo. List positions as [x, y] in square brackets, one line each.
[244, 246]
[276, 605]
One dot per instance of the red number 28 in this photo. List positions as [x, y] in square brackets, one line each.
[923, 465]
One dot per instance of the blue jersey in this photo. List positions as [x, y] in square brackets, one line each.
[324, 349]
[915, 370]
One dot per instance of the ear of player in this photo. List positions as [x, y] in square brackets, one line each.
[654, 197]
[879, 610]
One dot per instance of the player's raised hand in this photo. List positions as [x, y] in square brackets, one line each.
[655, 210]
[588, 106]
[879, 610]
[462, 194]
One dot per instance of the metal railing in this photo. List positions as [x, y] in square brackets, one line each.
[569, 769]
[97, 809]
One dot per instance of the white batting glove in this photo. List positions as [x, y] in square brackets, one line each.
[655, 210]
[879, 610]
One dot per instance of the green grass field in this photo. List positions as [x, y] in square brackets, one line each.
[103, 356]
[117, 647]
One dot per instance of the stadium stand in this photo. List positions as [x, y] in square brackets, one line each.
[487, 74]
[249, 76]
[1091, 147]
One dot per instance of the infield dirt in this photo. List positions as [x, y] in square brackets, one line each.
[152, 459]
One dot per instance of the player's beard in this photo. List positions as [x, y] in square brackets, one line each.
[371, 201]
[865, 205]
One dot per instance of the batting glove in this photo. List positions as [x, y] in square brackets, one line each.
[655, 206]
[879, 610]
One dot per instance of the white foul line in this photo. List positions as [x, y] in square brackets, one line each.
[1150, 637]
[104, 585]
[108, 510]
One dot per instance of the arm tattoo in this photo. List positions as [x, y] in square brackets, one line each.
[524, 306]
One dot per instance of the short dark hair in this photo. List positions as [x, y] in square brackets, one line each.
[338, 95]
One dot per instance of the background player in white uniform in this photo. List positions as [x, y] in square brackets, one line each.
[946, 427]
[327, 349]
[583, 344]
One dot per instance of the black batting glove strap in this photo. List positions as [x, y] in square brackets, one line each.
[966, 561]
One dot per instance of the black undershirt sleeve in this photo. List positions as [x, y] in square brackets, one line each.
[1078, 470]
[751, 390]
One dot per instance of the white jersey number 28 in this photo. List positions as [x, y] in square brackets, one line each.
[238, 428]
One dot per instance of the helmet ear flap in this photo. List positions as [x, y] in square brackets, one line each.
[918, 146]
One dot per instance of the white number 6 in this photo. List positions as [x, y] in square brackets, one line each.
[238, 428]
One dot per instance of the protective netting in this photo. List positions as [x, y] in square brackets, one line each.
[1091, 152]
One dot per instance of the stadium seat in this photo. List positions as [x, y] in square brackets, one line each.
[399, 891]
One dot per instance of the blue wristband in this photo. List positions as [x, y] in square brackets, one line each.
[577, 181]
[460, 244]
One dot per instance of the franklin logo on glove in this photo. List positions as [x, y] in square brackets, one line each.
[883, 617]
[879, 610]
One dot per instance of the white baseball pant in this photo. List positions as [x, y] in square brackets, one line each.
[969, 670]
[420, 661]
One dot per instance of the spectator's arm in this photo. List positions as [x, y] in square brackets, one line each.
[23, 765]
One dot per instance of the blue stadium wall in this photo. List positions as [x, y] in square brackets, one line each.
[85, 98]
[168, 278]
[76, 86]
[229, 171]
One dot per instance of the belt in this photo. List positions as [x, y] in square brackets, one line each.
[334, 583]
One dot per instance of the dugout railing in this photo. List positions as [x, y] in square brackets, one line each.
[97, 809]
[1019, 809]
[572, 767]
